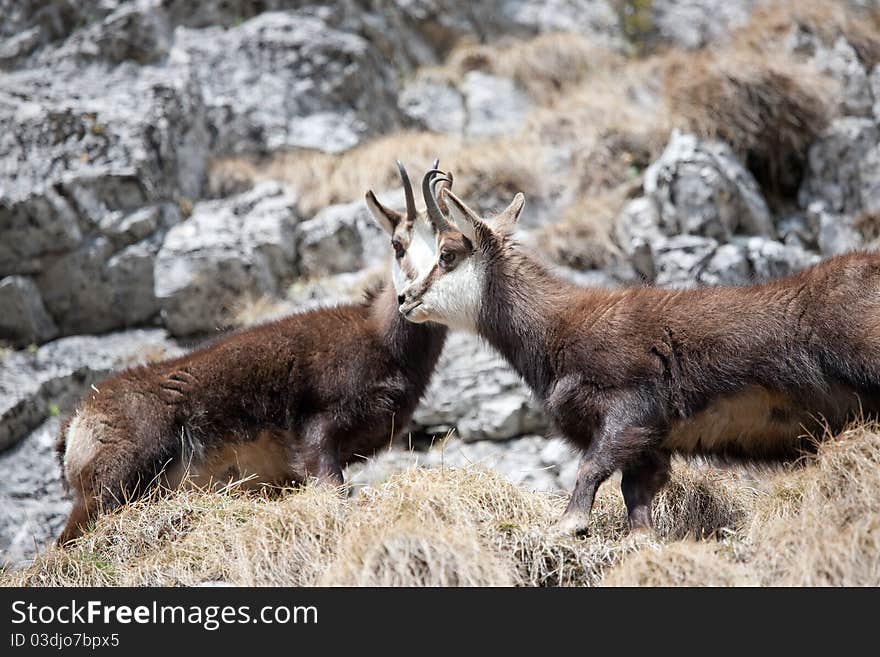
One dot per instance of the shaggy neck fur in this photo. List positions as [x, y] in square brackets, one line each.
[521, 312]
[416, 347]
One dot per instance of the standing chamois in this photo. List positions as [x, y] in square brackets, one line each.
[632, 376]
[294, 399]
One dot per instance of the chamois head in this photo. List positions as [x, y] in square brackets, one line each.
[410, 237]
[450, 291]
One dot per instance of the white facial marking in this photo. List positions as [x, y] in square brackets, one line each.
[455, 298]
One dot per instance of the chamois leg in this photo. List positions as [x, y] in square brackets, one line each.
[575, 519]
[616, 446]
[319, 459]
[76, 524]
[641, 481]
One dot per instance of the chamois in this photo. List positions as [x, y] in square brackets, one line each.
[631, 376]
[284, 402]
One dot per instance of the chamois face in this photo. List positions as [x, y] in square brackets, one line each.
[452, 289]
[410, 236]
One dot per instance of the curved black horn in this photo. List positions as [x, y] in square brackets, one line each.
[408, 192]
[435, 216]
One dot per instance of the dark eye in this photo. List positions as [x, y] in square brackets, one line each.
[398, 248]
[447, 257]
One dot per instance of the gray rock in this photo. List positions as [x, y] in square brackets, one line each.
[23, 317]
[474, 391]
[495, 105]
[702, 189]
[94, 289]
[695, 23]
[227, 249]
[842, 172]
[835, 233]
[344, 238]
[271, 80]
[729, 265]
[841, 62]
[637, 232]
[595, 18]
[33, 504]
[34, 385]
[531, 461]
[874, 82]
[679, 260]
[770, 259]
[433, 105]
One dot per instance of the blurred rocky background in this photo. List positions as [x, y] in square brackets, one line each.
[172, 169]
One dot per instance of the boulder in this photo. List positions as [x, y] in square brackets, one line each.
[679, 260]
[433, 104]
[477, 393]
[287, 79]
[49, 380]
[495, 105]
[33, 503]
[842, 175]
[770, 259]
[23, 317]
[538, 463]
[226, 250]
[702, 189]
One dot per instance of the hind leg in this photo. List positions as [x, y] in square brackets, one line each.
[77, 522]
[641, 481]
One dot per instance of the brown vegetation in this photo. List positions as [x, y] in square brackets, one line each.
[817, 522]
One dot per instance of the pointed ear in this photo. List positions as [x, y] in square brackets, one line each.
[505, 223]
[387, 218]
[466, 220]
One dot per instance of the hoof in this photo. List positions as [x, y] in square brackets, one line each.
[570, 525]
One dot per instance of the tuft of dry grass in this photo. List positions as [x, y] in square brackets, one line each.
[769, 108]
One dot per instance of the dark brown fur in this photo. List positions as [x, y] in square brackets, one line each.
[330, 385]
[618, 370]
[635, 375]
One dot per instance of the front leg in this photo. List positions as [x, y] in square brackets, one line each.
[620, 443]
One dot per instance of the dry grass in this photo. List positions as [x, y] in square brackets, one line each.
[773, 21]
[817, 522]
[545, 66]
[582, 237]
[323, 179]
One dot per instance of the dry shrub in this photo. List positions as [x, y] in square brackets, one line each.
[686, 563]
[769, 109]
[702, 501]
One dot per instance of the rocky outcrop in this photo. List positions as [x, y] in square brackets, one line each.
[476, 393]
[702, 189]
[225, 251]
[35, 384]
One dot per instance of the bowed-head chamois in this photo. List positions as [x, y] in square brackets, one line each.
[280, 403]
[631, 376]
